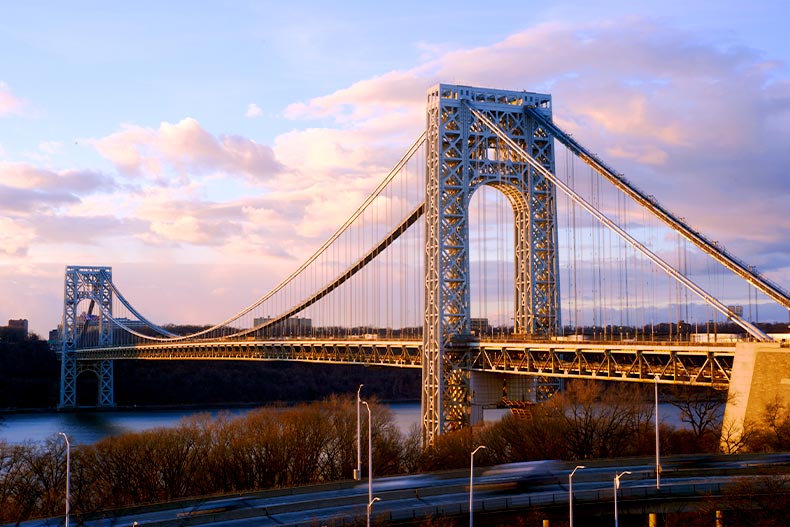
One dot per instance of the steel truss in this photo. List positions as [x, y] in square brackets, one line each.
[463, 155]
[673, 364]
[94, 284]
[405, 354]
[639, 362]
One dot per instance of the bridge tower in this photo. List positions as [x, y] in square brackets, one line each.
[94, 284]
[462, 156]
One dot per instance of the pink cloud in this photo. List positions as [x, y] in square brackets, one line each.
[701, 127]
[9, 103]
[679, 116]
[26, 176]
[186, 148]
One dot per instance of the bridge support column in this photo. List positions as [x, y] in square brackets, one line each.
[462, 155]
[92, 284]
[760, 376]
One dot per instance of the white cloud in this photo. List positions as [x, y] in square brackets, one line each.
[253, 110]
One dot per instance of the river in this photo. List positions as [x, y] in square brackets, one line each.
[87, 427]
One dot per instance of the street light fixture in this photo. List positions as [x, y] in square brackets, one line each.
[658, 461]
[358, 471]
[68, 476]
[617, 486]
[471, 479]
[370, 507]
[370, 461]
[570, 494]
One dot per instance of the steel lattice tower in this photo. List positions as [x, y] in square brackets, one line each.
[463, 155]
[94, 284]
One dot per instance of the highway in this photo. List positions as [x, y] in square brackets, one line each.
[499, 490]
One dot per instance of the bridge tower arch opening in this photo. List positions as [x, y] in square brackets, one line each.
[94, 384]
[462, 155]
[491, 263]
[94, 285]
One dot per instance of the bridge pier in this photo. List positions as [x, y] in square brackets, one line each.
[760, 376]
[490, 388]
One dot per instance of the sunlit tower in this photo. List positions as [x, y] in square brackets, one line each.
[463, 154]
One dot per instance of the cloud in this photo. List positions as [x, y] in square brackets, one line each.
[14, 237]
[27, 190]
[26, 176]
[188, 149]
[85, 230]
[9, 103]
[253, 110]
[703, 128]
[379, 97]
[33, 200]
[681, 117]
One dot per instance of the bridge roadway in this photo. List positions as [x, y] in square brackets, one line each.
[500, 492]
[674, 363]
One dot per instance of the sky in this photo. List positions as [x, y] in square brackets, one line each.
[198, 148]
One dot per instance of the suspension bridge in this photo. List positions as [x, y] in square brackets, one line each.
[453, 265]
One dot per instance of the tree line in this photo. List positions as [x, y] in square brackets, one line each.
[316, 442]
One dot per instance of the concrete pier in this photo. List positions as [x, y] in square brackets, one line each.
[760, 376]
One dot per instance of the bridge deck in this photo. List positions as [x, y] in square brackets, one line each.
[674, 363]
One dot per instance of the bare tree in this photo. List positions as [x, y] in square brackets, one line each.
[737, 436]
[702, 410]
[601, 423]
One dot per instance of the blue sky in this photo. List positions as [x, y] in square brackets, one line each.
[199, 143]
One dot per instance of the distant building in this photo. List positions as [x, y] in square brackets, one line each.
[20, 324]
[295, 326]
[54, 339]
[480, 327]
[15, 331]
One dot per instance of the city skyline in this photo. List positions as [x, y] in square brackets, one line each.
[199, 153]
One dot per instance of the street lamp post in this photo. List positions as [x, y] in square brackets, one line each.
[358, 472]
[617, 486]
[68, 476]
[370, 461]
[370, 507]
[658, 461]
[471, 479]
[570, 494]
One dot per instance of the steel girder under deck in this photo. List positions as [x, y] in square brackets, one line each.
[633, 362]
